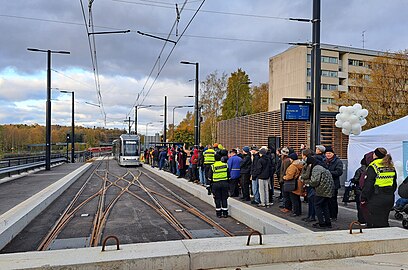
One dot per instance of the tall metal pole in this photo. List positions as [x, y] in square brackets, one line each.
[196, 120]
[48, 116]
[73, 130]
[48, 106]
[129, 125]
[165, 120]
[136, 119]
[315, 75]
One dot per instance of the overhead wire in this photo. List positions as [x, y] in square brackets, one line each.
[93, 60]
[170, 6]
[170, 53]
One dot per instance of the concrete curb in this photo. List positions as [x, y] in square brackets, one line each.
[253, 217]
[16, 219]
[217, 252]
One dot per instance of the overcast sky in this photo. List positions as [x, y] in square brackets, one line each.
[225, 35]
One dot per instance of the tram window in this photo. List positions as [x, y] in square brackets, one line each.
[131, 148]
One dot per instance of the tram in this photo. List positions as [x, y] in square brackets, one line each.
[126, 150]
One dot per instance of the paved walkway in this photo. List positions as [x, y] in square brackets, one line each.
[20, 189]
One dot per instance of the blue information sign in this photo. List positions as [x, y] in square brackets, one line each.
[296, 111]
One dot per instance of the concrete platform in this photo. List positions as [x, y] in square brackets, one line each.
[251, 216]
[218, 252]
[26, 197]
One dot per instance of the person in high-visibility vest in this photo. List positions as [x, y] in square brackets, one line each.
[208, 161]
[218, 182]
[379, 187]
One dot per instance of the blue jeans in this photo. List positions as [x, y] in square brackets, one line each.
[255, 191]
[161, 163]
[201, 175]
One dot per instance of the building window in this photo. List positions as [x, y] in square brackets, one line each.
[309, 72]
[358, 63]
[308, 86]
[309, 58]
[329, 86]
[326, 100]
[328, 59]
[329, 73]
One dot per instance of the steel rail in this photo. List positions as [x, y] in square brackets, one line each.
[189, 207]
[50, 236]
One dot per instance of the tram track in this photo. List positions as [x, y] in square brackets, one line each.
[112, 188]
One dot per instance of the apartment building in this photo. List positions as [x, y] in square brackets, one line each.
[290, 72]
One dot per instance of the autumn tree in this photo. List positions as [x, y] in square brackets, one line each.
[238, 99]
[260, 98]
[382, 88]
[212, 95]
[185, 130]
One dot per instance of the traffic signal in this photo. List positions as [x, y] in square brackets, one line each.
[161, 138]
[68, 137]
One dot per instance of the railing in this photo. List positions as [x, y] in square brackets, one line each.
[9, 162]
[8, 171]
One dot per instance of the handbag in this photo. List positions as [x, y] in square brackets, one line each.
[289, 185]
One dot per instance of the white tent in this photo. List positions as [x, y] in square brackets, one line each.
[390, 136]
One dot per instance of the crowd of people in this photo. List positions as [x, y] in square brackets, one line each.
[249, 174]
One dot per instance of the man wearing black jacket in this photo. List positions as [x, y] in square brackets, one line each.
[254, 175]
[263, 172]
[335, 166]
[245, 165]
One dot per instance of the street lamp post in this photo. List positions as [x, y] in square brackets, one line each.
[72, 125]
[48, 106]
[178, 107]
[196, 109]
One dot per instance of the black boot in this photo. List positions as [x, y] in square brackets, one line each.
[225, 213]
[218, 212]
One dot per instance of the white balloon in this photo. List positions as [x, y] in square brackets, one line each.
[364, 112]
[342, 109]
[338, 116]
[355, 126]
[363, 122]
[339, 123]
[345, 131]
[353, 119]
[357, 107]
[356, 129]
[350, 109]
[347, 126]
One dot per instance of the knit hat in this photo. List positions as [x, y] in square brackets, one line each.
[321, 148]
[262, 151]
[254, 147]
[285, 151]
[293, 156]
[329, 149]
[245, 149]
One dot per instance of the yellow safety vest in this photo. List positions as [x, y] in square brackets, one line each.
[385, 176]
[219, 171]
[209, 156]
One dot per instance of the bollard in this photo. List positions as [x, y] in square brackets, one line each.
[255, 232]
[106, 239]
[358, 226]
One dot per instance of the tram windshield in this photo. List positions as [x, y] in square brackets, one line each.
[131, 148]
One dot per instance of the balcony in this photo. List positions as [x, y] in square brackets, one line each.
[342, 75]
[342, 88]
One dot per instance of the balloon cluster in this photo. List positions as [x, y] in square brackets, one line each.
[351, 119]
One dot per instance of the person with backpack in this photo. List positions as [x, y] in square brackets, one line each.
[290, 184]
[322, 180]
[335, 166]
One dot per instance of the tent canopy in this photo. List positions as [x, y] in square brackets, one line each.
[390, 136]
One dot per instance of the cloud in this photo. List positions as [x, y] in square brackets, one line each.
[126, 60]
